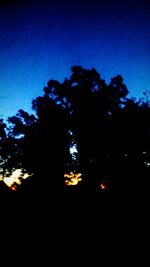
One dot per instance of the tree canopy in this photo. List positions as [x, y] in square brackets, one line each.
[111, 133]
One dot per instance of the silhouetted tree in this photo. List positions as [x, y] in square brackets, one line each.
[132, 136]
[110, 130]
[8, 156]
[90, 103]
[42, 144]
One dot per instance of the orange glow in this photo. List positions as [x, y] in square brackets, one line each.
[73, 178]
[14, 187]
[103, 186]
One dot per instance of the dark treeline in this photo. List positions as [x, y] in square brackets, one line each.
[110, 131]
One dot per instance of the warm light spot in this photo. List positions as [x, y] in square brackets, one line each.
[9, 180]
[14, 187]
[103, 186]
[14, 178]
[73, 178]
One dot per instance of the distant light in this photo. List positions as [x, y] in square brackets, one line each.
[14, 178]
[147, 163]
[72, 178]
[73, 149]
[14, 187]
[103, 186]
[9, 181]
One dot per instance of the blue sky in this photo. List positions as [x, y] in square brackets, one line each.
[42, 39]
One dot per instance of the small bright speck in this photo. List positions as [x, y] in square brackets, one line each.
[102, 186]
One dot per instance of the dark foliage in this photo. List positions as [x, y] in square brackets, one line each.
[110, 130]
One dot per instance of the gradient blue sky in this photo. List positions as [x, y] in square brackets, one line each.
[40, 40]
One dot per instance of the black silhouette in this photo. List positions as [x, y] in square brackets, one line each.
[110, 131]
[4, 188]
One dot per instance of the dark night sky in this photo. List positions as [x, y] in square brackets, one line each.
[40, 40]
